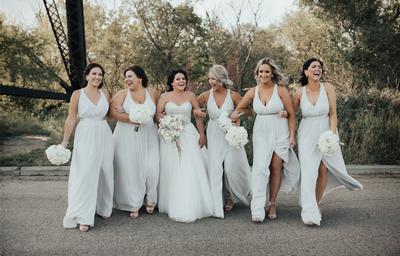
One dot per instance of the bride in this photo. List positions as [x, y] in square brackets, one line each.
[184, 190]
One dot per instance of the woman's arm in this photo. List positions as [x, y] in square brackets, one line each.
[160, 107]
[291, 115]
[116, 105]
[330, 91]
[296, 99]
[72, 117]
[243, 105]
[202, 100]
[199, 120]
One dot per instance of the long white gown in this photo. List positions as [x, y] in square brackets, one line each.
[271, 135]
[224, 158]
[184, 190]
[315, 121]
[136, 160]
[90, 184]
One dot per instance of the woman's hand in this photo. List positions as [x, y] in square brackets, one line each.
[202, 140]
[235, 116]
[134, 122]
[199, 113]
[64, 144]
[159, 116]
[119, 109]
[283, 114]
[292, 141]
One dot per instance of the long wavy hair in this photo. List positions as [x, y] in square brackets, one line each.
[303, 79]
[277, 75]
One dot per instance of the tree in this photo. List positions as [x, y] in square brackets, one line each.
[168, 36]
[373, 27]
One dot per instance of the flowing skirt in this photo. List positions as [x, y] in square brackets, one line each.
[271, 135]
[310, 158]
[136, 165]
[90, 184]
[228, 160]
[184, 190]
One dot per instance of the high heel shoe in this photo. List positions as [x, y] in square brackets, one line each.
[229, 202]
[150, 208]
[83, 227]
[134, 214]
[270, 205]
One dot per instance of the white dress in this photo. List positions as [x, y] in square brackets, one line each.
[136, 160]
[90, 184]
[184, 190]
[224, 158]
[271, 135]
[315, 121]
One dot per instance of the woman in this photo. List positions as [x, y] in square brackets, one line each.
[136, 159]
[223, 158]
[273, 139]
[90, 184]
[319, 173]
[184, 189]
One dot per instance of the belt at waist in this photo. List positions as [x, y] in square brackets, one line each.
[89, 119]
[315, 117]
[270, 115]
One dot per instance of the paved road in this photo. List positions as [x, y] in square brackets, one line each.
[354, 223]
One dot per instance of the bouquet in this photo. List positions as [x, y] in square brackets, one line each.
[237, 136]
[170, 128]
[139, 113]
[57, 154]
[225, 123]
[328, 143]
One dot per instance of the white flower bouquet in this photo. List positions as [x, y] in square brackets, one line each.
[237, 136]
[328, 143]
[170, 128]
[139, 113]
[225, 123]
[57, 154]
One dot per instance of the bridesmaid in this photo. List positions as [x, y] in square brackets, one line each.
[273, 139]
[320, 174]
[136, 159]
[223, 158]
[90, 184]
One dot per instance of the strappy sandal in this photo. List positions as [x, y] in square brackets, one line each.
[83, 227]
[229, 202]
[150, 208]
[269, 215]
[134, 214]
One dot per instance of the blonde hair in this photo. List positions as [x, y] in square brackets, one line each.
[220, 73]
[277, 75]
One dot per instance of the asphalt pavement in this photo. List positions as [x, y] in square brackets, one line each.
[354, 223]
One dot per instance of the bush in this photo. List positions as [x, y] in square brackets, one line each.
[369, 127]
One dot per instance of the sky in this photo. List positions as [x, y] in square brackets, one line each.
[22, 12]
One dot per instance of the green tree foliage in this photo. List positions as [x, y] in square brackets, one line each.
[304, 36]
[373, 27]
[167, 37]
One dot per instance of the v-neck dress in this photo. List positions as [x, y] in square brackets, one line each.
[315, 121]
[225, 159]
[136, 160]
[271, 135]
[90, 183]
